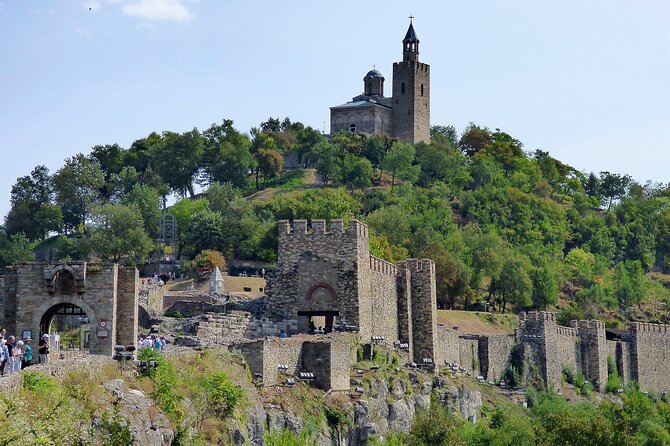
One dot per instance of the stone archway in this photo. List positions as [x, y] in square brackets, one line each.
[45, 313]
[322, 308]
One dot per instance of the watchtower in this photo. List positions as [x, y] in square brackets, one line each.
[411, 93]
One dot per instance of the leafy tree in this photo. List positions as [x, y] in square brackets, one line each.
[260, 146]
[183, 210]
[452, 276]
[356, 172]
[148, 202]
[398, 162]
[474, 139]
[226, 156]
[32, 212]
[545, 287]
[179, 158]
[117, 232]
[210, 259]
[631, 284]
[270, 163]
[77, 185]
[328, 164]
[14, 249]
[204, 231]
[375, 149]
[435, 427]
[613, 186]
[513, 285]
[444, 134]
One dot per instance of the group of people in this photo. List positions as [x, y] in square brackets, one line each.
[153, 342]
[16, 355]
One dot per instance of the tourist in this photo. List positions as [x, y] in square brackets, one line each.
[9, 367]
[18, 356]
[157, 344]
[27, 355]
[43, 349]
[282, 334]
[4, 355]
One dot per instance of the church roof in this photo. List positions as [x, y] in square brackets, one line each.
[373, 73]
[360, 104]
[411, 34]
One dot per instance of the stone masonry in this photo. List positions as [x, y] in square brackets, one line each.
[107, 293]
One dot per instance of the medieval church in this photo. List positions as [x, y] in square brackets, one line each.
[405, 115]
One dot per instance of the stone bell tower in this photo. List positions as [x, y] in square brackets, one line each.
[411, 93]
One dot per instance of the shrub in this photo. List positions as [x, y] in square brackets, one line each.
[222, 395]
[37, 382]
[569, 375]
[115, 430]
[175, 314]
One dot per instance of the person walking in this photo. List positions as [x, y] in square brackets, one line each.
[18, 356]
[9, 366]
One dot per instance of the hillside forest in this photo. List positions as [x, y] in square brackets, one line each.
[508, 228]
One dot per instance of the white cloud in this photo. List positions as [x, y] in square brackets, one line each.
[158, 10]
[149, 10]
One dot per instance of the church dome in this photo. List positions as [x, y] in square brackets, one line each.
[372, 74]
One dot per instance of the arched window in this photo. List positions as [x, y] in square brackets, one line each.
[352, 127]
[402, 88]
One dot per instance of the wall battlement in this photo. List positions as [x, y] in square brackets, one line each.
[382, 266]
[649, 327]
[566, 331]
[537, 316]
[318, 227]
[418, 66]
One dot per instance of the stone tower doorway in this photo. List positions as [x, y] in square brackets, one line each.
[310, 321]
[71, 322]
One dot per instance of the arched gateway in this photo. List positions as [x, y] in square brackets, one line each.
[105, 294]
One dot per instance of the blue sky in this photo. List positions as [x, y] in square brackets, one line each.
[587, 81]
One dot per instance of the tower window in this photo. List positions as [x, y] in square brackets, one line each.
[421, 89]
[402, 88]
[352, 127]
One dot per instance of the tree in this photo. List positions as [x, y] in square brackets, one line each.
[444, 135]
[398, 162]
[178, 160]
[17, 248]
[356, 172]
[204, 231]
[451, 276]
[270, 163]
[183, 210]
[474, 139]
[631, 284]
[147, 200]
[226, 156]
[32, 212]
[328, 164]
[613, 186]
[260, 141]
[545, 288]
[117, 231]
[111, 160]
[77, 185]
[513, 285]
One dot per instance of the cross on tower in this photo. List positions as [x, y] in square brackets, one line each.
[410, 18]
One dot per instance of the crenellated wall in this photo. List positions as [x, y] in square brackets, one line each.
[650, 356]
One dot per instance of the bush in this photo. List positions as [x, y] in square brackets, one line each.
[583, 387]
[569, 375]
[37, 382]
[115, 430]
[175, 314]
[222, 395]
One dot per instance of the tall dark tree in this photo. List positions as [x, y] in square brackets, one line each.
[178, 160]
[77, 185]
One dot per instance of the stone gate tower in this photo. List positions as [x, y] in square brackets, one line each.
[411, 93]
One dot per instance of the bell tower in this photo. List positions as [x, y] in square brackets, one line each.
[411, 93]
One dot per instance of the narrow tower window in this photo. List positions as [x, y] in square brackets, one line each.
[402, 88]
[421, 89]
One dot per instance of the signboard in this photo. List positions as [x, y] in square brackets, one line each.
[102, 330]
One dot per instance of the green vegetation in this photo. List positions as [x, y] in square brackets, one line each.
[515, 229]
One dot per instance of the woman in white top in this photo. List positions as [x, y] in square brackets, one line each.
[18, 356]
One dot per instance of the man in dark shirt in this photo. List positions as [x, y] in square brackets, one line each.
[43, 349]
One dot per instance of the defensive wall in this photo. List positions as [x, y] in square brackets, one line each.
[328, 272]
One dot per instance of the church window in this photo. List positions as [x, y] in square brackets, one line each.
[352, 127]
[402, 88]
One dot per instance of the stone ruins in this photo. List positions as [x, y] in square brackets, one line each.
[329, 301]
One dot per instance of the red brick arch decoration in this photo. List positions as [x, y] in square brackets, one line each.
[331, 291]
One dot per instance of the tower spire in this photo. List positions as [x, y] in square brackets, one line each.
[410, 43]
